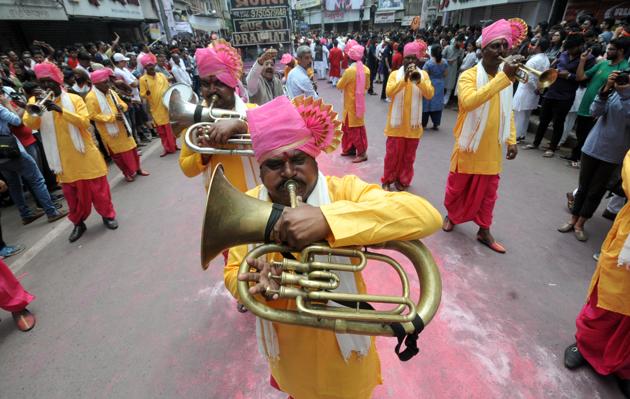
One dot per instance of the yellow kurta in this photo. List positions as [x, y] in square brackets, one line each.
[348, 84]
[612, 282]
[191, 164]
[157, 86]
[115, 144]
[75, 165]
[488, 158]
[310, 365]
[394, 86]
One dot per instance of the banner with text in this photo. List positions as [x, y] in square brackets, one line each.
[260, 22]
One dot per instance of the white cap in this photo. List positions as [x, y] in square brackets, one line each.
[119, 57]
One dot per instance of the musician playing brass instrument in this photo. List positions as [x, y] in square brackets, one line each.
[309, 363]
[107, 109]
[220, 69]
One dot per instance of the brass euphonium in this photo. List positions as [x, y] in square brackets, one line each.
[38, 108]
[545, 78]
[233, 218]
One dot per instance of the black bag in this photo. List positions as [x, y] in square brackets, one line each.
[9, 148]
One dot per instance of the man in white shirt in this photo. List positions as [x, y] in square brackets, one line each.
[527, 95]
[135, 107]
[298, 81]
[178, 69]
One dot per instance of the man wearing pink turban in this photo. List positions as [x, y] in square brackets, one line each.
[153, 85]
[354, 83]
[344, 211]
[71, 153]
[405, 88]
[484, 124]
[220, 68]
[107, 111]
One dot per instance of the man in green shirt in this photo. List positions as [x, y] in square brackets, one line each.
[616, 60]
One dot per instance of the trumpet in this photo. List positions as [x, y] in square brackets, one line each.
[38, 108]
[233, 218]
[196, 117]
[415, 76]
[545, 78]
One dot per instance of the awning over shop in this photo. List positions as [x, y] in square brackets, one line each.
[208, 24]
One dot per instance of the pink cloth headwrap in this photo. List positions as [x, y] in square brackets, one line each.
[322, 41]
[286, 59]
[417, 48]
[513, 31]
[220, 60]
[356, 54]
[351, 43]
[147, 59]
[305, 124]
[48, 70]
[101, 75]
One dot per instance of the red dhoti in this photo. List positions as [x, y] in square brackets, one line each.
[353, 138]
[167, 137]
[128, 162]
[603, 338]
[13, 297]
[400, 155]
[471, 198]
[81, 194]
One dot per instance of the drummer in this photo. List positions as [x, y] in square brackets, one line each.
[220, 69]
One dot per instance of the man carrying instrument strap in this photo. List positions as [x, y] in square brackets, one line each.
[220, 69]
[71, 153]
[287, 138]
[153, 85]
[485, 122]
[106, 109]
[405, 87]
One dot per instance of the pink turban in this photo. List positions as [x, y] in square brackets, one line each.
[220, 60]
[148, 59]
[513, 31]
[101, 75]
[286, 59]
[48, 70]
[322, 41]
[356, 54]
[417, 48]
[305, 124]
[351, 43]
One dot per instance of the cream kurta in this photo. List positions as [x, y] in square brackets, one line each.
[394, 86]
[75, 165]
[311, 365]
[122, 141]
[487, 160]
[348, 84]
[612, 282]
[157, 86]
[192, 165]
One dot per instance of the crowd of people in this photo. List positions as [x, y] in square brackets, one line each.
[64, 113]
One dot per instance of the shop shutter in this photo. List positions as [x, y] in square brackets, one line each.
[505, 11]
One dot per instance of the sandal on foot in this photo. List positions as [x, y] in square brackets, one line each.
[447, 225]
[495, 246]
[549, 154]
[565, 228]
[580, 235]
[24, 320]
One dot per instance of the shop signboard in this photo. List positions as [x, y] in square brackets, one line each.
[105, 9]
[260, 22]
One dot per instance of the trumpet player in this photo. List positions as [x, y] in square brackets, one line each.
[287, 138]
[484, 124]
[106, 109]
[71, 153]
[354, 83]
[220, 69]
[153, 85]
[405, 87]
